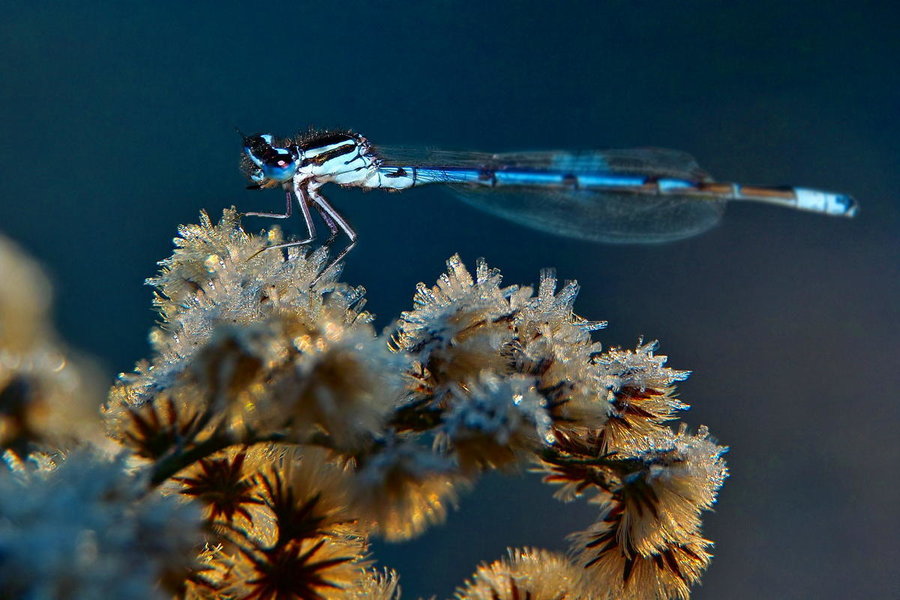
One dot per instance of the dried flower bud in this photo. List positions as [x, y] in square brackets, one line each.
[154, 430]
[224, 485]
[555, 345]
[642, 395]
[613, 569]
[647, 537]
[496, 422]
[24, 301]
[528, 573]
[677, 477]
[377, 586]
[460, 327]
[306, 492]
[48, 395]
[344, 381]
[242, 329]
[317, 568]
[402, 488]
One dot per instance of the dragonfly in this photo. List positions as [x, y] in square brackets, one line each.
[640, 195]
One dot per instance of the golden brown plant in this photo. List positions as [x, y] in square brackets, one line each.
[279, 433]
[48, 394]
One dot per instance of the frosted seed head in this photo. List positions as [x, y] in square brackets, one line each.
[496, 422]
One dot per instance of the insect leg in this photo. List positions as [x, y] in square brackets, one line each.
[303, 201]
[288, 201]
[330, 214]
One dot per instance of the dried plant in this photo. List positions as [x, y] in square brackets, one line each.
[272, 432]
[48, 394]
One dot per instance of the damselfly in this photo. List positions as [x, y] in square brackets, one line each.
[643, 195]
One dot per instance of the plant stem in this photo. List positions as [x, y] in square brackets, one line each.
[174, 463]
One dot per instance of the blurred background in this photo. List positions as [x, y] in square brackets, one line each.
[117, 124]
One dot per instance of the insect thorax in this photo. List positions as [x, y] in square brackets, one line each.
[338, 157]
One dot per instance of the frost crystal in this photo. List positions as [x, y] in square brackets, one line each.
[556, 346]
[497, 422]
[273, 419]
[647, 539]
[459, 327]
[642, 396]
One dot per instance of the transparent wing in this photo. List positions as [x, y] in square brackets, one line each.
[596, 215]
[652, 162]
[618, 218]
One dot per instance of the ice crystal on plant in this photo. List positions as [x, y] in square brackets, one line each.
[271, 406]
[555, 345]
[496, 422]
[642, 395]
[217, 283]
[256, 339]
[458, 328]
[639, 368]
[465, 326]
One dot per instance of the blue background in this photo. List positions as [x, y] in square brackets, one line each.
[117, 124]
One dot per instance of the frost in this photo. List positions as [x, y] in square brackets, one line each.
[272, 418]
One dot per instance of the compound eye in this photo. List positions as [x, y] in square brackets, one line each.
[273, 163]
[280, 165]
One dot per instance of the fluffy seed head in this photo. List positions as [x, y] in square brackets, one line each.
[88, 529]
[496, 422]
[526, 573]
